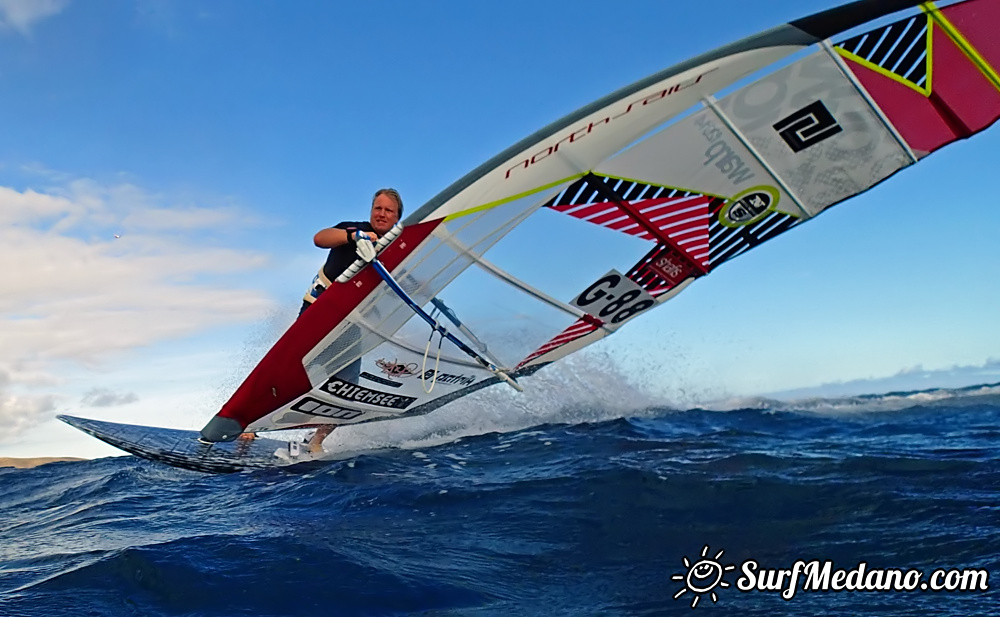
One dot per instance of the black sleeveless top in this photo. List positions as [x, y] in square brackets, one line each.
[341, 257]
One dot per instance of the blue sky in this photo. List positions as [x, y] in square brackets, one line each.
[216, 137]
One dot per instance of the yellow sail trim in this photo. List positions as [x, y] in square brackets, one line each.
[494, 204]
[963, 43]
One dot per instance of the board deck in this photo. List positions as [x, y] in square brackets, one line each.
[181, 448]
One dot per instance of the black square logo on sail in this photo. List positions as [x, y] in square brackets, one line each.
[807, 127]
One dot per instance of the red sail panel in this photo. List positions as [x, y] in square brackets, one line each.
[978, 22]
[280, 377]
[962, 101]
[682, 219]
[580, 328]
[962, 86]
[916, 119]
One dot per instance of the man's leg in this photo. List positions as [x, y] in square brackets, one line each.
[316, 442]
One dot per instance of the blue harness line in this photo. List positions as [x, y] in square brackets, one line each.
[368, 253]
[437, 327]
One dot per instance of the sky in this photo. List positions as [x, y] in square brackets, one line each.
[164, 166]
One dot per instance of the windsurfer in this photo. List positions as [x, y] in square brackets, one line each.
[387, 209]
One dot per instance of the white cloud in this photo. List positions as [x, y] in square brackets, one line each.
[23, 14]
[103, 397]
[31, 207]
[20, 412]
[71, 294]
[907, 380]
[180, 219]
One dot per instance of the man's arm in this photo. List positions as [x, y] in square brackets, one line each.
[332, 237]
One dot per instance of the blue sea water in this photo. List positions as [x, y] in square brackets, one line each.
[573, 518]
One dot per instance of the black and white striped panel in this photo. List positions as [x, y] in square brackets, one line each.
[728, 242]
[581, 193]
[899, 48]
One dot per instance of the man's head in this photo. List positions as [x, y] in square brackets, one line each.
[387, 209]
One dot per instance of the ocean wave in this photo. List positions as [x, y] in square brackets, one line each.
[985, 394]
[545, 514]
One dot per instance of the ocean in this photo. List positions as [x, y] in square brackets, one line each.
[597, 511]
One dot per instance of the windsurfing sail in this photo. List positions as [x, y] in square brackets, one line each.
[646, 190]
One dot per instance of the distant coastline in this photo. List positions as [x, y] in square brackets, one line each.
[28, 463]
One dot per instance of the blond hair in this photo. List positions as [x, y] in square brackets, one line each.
[391, 193]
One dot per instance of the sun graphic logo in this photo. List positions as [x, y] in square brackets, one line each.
[702, 577]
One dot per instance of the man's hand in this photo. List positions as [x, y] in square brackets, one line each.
[364, 246]
[358, 235]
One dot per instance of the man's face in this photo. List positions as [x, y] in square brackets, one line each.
[385, 214]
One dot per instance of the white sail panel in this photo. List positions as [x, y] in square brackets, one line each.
[814, 128]
[700, 154]
[383, 332]
[582, 145]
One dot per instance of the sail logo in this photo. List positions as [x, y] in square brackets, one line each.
[583, 130]
[722, 154]
[614, 299]
[316, 407]
[394, 368]
[749, 207]
[670, 266]
[808, 127]
[448, 379]
[399, 370]
[348, 391]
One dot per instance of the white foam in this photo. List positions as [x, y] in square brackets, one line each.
[861, 404]
[586, 387]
